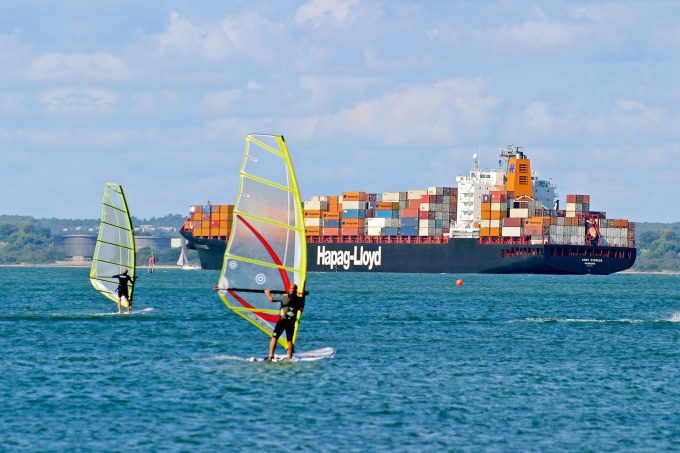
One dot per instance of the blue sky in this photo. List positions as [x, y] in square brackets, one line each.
[371, 95]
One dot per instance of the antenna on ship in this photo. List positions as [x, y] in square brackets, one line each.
[475, 159]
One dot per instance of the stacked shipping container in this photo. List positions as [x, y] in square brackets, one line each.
[210, 220]
[430, 212]
[412, 213]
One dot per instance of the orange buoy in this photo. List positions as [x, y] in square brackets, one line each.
[459, 282]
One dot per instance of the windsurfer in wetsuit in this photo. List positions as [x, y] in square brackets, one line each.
[123, 279]
[292, 304]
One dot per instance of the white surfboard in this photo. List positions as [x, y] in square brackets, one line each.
[308, 356]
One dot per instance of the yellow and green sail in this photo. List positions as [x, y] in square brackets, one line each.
[267, 245]
[114, 251]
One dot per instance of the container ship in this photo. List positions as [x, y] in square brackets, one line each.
[500, 221]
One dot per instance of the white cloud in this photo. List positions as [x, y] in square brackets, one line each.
[76, 101]
[89, 138]
[324, 12]
[325, 91]
[604, 13]
[219, 101]
[447, 112]
[186, 38]
[12, 104]
[99, 66]
[537, 32]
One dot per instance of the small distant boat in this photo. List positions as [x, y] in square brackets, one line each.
[183, 262]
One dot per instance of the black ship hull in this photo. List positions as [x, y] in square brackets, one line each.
[456, 256]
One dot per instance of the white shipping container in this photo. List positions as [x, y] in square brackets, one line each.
[483, 223]
[425, 206]
[521, 213]
[373, 231]
[495, 223]
[415, 194]
[511, 232]
[360, 205]
[316, 205]
[382, 223]
[390, 196]
[313, 222]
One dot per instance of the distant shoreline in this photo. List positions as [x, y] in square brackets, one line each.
[82, 265]
[174, 266]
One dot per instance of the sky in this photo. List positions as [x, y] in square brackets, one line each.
[371, 96]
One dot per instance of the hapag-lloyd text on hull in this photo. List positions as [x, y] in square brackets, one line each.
[348, 258]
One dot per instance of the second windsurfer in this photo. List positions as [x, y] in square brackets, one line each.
[292, 304]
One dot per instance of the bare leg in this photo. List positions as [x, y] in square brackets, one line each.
[272, 346]
[290, 349]
[119, 307]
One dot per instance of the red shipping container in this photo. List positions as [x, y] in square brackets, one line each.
[352, 231]
[427, 215]
[571, 198]
[414, 204]
[409, 212]
[330, 231]
[512, 222]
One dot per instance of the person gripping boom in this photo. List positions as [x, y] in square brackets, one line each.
[292, 304]
[122, 291]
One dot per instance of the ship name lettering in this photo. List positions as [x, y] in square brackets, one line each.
[347, 258]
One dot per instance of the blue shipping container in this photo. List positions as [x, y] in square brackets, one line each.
[331, 223]
[409, 222]
[409, 231]
[386, 214]
[390, 231]
[354, 214]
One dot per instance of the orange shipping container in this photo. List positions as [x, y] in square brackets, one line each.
[352, 231]
[486, 206]
[313, 231]
[198, 232]
[352, 223]
[387, 206]
[354, 196]
[312, 214]
[619, 223]
[331, 215]
[486, 215]
[496, 215]
[196, 216]
[409, 212]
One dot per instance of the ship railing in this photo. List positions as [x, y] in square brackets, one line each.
[378, 239]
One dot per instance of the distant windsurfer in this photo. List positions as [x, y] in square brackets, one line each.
[123, 280]
[152, 263]
[292, 304]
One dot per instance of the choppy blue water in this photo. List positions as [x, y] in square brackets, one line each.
[503, 363]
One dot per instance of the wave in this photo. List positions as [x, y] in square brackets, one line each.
[675, 317]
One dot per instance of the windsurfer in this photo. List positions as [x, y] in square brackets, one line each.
[292, 304]
[122, 291]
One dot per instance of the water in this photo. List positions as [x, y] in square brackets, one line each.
[504, 363]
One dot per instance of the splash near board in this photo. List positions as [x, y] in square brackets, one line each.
[267, 245]
[114, 251]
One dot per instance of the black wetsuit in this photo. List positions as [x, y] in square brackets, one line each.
[290, 305]
[123, 280]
